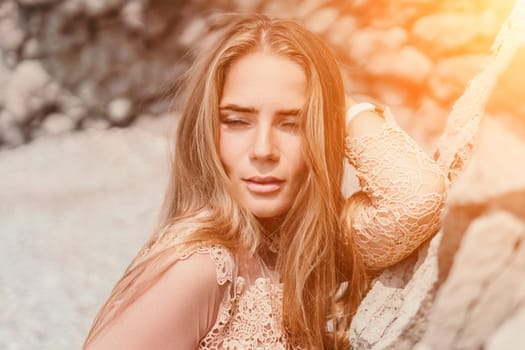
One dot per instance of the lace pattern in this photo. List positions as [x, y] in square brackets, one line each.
[250, 314]
[222, 259]
[406, 189]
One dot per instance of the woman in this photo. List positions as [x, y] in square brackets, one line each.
[256, 246]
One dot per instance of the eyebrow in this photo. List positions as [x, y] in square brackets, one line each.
[251, 110]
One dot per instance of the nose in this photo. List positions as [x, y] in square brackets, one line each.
[264, 144]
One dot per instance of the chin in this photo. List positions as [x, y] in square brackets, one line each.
[267, 211]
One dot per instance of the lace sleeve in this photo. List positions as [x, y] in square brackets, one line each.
[405, 189]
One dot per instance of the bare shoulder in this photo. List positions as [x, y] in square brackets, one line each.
[176, 311]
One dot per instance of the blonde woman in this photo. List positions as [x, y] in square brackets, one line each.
[256, 247]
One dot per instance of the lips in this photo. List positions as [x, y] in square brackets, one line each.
[267, 184]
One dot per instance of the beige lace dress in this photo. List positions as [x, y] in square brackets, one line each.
[242, 305]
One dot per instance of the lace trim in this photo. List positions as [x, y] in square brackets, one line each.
[224, 265]
[406, 192]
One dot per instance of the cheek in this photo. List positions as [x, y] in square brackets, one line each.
[300, 164]
[227, 153]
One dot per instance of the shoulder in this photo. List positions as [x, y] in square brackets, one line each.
[178, 308]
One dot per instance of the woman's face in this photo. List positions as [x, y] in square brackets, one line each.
[261, 144]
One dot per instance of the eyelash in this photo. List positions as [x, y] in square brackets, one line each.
[238, 123]
[234, 122]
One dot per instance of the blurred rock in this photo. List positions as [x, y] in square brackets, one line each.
[369, 41]
[132, 15]
[193, 32]
[306, 7]
[247, 5]
[29, 90]
[101, 7]
[71, 105]
[5, 75]
[339, 32]
[408, 64]
[495, 156]
[480, 186]
[429, 123]
[71, 8]
[57, 124]
[95, 123]
[510, 335]
[446, 32]
[510, 95]
[451, 74]
[10, 133]
[12, 35]
[119, 110]
[31, 49]
[319, 21]
[36, 2]
[484, 285]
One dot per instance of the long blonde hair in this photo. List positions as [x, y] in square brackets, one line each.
[199, 210]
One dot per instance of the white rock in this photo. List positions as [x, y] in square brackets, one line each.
[27, 86]
[369, 41]
[5, 75]
[246, 5]
[494, 168]
[36, 2]
[119, 110]
[57, 124]
[308, 7]
[193, 31]
[10, 132]
[71, 8]
[31, 49]
[98, 8]
[484, 284]
[87, 92]
[510, 335]
[450, 75]
[132, 15]
[321, 20]
[12, 36]
[72, 106]
[341, 31]
[429, 122]
[444, 32]
[95, 123]
[409, 64]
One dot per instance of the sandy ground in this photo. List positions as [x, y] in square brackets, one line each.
[73, 212]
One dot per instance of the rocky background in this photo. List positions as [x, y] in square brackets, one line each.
[79, 192]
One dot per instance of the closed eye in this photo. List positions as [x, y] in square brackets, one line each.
[235, 123]
[290, 125]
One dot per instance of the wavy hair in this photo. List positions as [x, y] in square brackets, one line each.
[198, 209]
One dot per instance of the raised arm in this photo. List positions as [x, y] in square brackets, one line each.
[402, 190]
[175, 313]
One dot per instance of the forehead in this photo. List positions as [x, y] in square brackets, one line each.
[263, 79]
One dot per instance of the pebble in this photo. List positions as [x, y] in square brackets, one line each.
[26, 89]
[119, 110]
[445, 32]
[57, 124]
